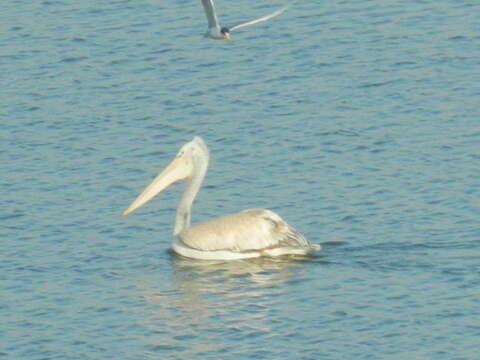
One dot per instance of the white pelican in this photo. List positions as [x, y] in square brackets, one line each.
[247, 234]
[217, 32]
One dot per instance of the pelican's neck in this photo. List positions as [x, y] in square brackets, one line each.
[182, 220]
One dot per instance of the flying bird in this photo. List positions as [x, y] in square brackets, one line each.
[215, 31]
[247, 234]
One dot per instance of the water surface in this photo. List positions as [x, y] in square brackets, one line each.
[355, 121]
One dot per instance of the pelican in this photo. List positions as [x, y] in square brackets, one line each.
[215, 31]
[247, 234]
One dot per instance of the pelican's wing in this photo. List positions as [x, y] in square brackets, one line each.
[209, 8]
[249, 230]
[263, 18]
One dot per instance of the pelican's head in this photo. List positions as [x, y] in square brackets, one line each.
[191, 159]
[226, 33]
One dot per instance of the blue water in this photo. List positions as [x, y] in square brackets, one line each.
[356, 121]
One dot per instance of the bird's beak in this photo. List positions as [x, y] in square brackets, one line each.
[226, 36]
[177, 170]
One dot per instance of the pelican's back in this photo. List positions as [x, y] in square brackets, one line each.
[249, 230]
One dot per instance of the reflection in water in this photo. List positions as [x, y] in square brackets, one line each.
[231, 280]
[216, 302]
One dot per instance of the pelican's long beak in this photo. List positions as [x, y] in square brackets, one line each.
[177, 170]
[226, 36]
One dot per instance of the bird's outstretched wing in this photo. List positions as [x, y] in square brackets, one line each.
[209, 8]
[261, 19]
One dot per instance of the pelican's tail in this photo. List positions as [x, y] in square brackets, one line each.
[315, 247]
[296, 239]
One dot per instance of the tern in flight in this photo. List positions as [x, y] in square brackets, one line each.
[247, 234]
[215, 31]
